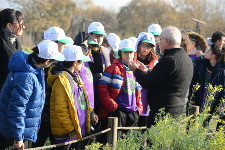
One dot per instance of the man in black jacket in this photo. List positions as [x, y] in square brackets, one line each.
[169, 81]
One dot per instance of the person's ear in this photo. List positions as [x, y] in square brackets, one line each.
[217, 42]
[46, 62]
[8, 26]
[75, 63]
[167, 41]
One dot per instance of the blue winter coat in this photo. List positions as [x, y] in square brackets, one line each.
[21, 99]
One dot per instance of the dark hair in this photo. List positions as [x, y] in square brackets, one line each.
[68, 64]
[217, 36]
[37, 59]
[150, 55]
[119, 54]
[105, 42]
[215, 49]
[185, 41]
[10, 16]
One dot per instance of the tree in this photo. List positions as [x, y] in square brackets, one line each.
[41, 15]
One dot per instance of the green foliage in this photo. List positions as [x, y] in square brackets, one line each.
[27, 49]
[177, 134]
[95, 146]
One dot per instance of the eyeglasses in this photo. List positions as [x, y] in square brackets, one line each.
[146, 46]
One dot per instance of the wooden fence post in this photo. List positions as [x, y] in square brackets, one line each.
[195, 110]
[112, 134]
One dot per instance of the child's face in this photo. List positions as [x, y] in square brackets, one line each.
[98, 38]
[61, 46]
[78, 65]
[145, 48]
[192, 44]
[127, 56]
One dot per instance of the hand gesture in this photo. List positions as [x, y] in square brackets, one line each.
[142, 67]
[132, 66]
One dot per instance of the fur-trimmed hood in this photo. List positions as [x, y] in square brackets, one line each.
[201, 43]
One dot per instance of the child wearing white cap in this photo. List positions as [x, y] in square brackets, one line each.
[119, 93]
[146, 55]
[96, 29]
[58, 35]
[70, 113]
[22, 96]
[156, 30]
[111, 45]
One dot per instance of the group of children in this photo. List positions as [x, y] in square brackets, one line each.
[86, 81]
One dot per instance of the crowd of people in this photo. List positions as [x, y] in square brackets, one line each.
[66, 89]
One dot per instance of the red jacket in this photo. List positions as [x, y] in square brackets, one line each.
[116, 74]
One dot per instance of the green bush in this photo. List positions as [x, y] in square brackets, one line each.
[177, 134]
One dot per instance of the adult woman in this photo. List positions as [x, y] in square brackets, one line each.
[208, 70]
[11, 26]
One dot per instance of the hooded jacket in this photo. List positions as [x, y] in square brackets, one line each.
[22, 99]
[63, 112]
[7, 49]
[108, 93]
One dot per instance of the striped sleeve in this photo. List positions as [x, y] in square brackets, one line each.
[106, 78]
[117, 81]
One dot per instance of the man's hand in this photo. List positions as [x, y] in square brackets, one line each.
[19, 144]
[142, 67]
[132, 66]
[199, 53]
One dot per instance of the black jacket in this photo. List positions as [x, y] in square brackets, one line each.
[7, 49]
[199, 76]
[168, 82]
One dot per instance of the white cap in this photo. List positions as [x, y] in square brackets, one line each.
[126, 45]
[114, 41]
[146, 37]
[155, 29]
[57, 34]
[96, 28]
[49, 50]
[73, 53]
[133, 39]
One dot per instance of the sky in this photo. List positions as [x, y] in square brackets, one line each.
[114, 5]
